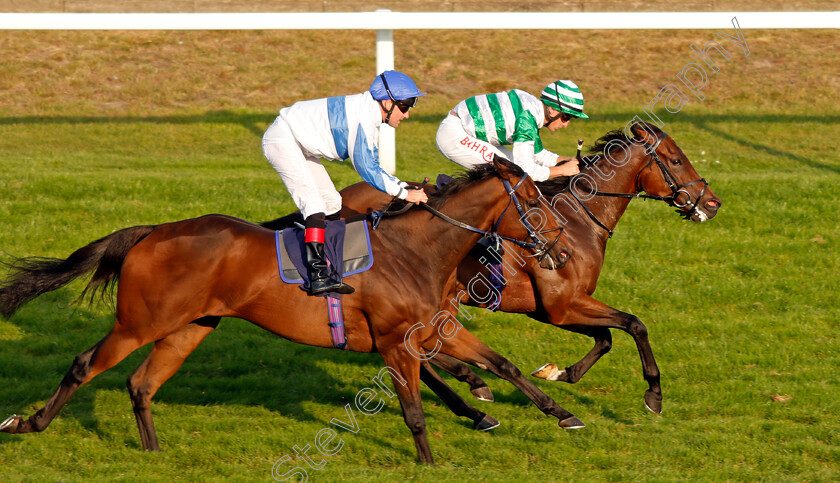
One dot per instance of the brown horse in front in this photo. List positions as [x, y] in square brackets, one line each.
[176, 281]
[589, 206]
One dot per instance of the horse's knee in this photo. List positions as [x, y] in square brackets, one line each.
[417, 427]
[416, 422]
[636, 327]
[139, 392]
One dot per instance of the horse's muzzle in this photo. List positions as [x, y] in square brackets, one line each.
[556, 261]
[706, 211]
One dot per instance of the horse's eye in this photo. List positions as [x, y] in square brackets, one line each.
[534, 203]
[676, 161]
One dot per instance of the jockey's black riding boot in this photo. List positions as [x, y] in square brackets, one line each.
[319, 278]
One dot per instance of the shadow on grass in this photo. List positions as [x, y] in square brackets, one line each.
[516, 397]
[256, 123]
[238, 364]
[704, 122]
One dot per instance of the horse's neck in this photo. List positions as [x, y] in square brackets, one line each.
[610, 179]
[441, 244]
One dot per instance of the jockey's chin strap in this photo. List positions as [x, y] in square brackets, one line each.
[388, 112]
[670, 179]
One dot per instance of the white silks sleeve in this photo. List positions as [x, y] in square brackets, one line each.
[546, 158]
[524, 157]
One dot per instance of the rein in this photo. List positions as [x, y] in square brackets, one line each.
[542, 249]
[671, 199]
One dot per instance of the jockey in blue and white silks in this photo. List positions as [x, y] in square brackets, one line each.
[337, 128]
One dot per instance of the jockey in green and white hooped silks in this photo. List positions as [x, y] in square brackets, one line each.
[483, 126]
[337, 128]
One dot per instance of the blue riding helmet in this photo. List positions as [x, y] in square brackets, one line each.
[395, 86]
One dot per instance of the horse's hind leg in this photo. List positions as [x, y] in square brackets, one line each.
[162, 362]
[466, 347]
[478, 387]
[453, 401]
[87, 365]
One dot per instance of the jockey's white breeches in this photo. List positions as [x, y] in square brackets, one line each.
[305, 177]
[463, 148]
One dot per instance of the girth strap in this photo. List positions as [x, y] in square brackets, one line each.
[336, 322]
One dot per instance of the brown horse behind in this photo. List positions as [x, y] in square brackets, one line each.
[176, 281]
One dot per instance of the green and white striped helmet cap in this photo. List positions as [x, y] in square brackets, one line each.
[565, 96]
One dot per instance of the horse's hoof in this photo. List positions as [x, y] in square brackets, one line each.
[572, 423]
[483, 393]
[486, 423]
[10, 425]
[653, 402]
[549, 372]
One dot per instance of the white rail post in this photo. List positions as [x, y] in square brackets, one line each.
[387, 134]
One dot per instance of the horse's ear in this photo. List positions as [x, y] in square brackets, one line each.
[643, 133]
[505, 168]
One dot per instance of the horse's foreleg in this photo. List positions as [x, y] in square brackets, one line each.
[405, 373]
[466, 347]
[590, 316]
[453, 401]
[162, 363]
[461, 372]
[573, 373]
[633, 326]
[87, 365]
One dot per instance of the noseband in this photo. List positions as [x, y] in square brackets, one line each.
[675, 187]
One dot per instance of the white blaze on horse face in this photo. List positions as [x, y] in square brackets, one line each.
[701, 216]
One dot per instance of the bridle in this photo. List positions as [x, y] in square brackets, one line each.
[540, 247]
[675, 187]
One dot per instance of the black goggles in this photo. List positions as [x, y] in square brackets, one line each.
[403, 105]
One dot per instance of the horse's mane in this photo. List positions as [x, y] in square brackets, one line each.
[467, 178]
[596, 152]
[600, 146]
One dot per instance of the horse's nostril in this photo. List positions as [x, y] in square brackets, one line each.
[564, 254]
[713, 204]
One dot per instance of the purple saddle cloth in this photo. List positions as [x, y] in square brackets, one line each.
[346, 245]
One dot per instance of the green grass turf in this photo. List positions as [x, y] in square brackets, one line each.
[742, 310]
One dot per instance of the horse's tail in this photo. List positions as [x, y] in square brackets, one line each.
[33, 276]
